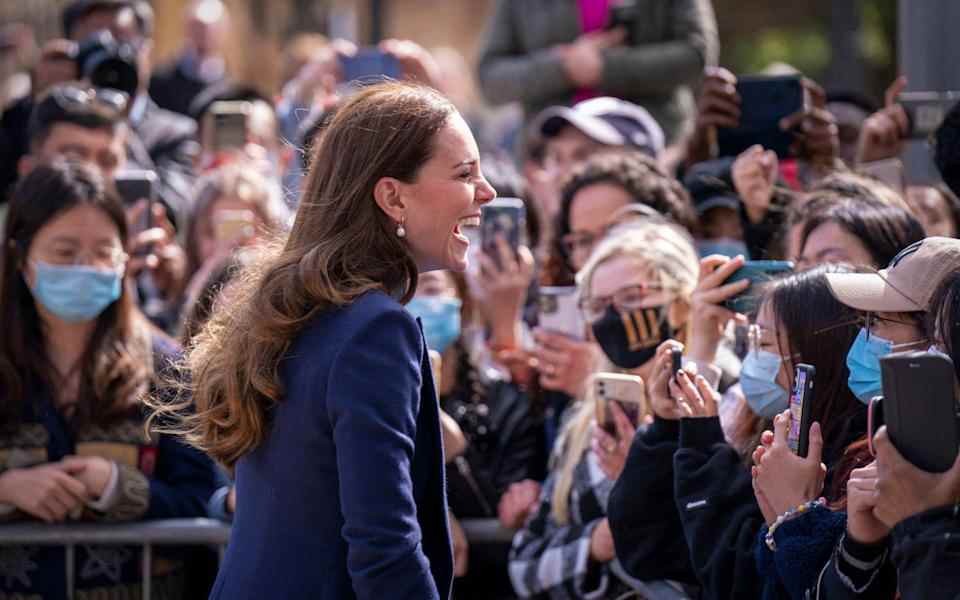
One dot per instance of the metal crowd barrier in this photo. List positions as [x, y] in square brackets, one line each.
[169, 532]
[147, 534]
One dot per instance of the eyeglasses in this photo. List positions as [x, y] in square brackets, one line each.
[625, 299]
[106, 257]
[869, 320]
[75, 99]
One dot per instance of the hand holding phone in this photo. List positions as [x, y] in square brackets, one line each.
[626, 391]
[757, 272]
[764, 102]
[229, 122]
[503, 218]
[801, 409]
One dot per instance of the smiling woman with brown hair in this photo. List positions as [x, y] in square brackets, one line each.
[315, 383]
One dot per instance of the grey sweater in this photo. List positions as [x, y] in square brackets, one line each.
[672, 42]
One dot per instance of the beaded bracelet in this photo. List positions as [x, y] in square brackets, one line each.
[790, 515]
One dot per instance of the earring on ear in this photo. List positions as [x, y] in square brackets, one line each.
[401, 230]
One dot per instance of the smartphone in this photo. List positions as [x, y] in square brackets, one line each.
[801, 409]
[506, 218]
[369, 65]
[764, 101]
[758, 272]
[926, 110]
[230, 124]
[920, 408]
[888, 171]
[233, 225]
[560, 312]
[135, 185]
[676, 358]
[626, 390]
[623, 14]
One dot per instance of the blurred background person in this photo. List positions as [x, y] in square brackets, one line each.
[200, 63]
[159, 140]
[565, 51]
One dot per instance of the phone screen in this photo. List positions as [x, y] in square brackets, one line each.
[368, 65]
[796, 409]
[503, 218]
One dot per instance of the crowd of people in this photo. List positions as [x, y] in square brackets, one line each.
[204, 295]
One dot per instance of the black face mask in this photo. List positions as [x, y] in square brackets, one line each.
[630, 339]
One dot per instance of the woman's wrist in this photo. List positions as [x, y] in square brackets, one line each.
[6, 485]
[505, 333]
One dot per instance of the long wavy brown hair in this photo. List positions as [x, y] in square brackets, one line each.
[341, 246]
[116, 366]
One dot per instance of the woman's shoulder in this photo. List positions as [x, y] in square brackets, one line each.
[372, 315]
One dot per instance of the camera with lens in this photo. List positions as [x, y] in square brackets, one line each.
[109, 63]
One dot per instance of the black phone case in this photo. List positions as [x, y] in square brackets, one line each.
[920, 408]
[806, 414]
[764, 102]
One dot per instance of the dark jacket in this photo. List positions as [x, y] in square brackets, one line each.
[165, 142]
[646, 527]
[671, 43]
[345, 496]
[157, 478]
[173, 88]
[926, 552]
[718, 511]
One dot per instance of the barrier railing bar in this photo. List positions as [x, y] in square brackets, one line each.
[147, 558]
[70, 566]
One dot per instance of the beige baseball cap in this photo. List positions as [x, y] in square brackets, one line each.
[906, 285]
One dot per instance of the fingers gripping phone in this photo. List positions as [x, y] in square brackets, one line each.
[627, 391]
[560, 313]
[758, 272]
[920, 408]
[764, 101]
[801, 409]
[503, 218]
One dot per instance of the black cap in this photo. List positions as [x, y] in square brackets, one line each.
[710, 185]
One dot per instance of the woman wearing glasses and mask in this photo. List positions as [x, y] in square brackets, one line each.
[711, 517]
[635, 294]
[76, 358]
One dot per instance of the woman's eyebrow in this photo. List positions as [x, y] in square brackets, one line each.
[465, 163]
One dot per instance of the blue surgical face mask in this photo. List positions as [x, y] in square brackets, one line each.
[440, 317]
[722, 246]
[758, 379]
[75, 293]
[863, 361]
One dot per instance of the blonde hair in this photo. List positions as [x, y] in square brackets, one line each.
[668, 250]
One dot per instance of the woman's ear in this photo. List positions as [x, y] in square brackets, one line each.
[387, 192]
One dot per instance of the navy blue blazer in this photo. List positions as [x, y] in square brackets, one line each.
[345, 497]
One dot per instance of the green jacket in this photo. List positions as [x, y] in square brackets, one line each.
[672, 44]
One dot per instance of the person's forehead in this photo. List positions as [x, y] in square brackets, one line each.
[619, 272]
[82, 224]
[569, 136]
[120, 20]
[455, 141]
[95, 138]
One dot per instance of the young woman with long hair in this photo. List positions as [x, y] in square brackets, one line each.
[635, 293]
[76, 359]
[314, 383]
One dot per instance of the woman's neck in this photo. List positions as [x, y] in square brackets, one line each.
[66, 341]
